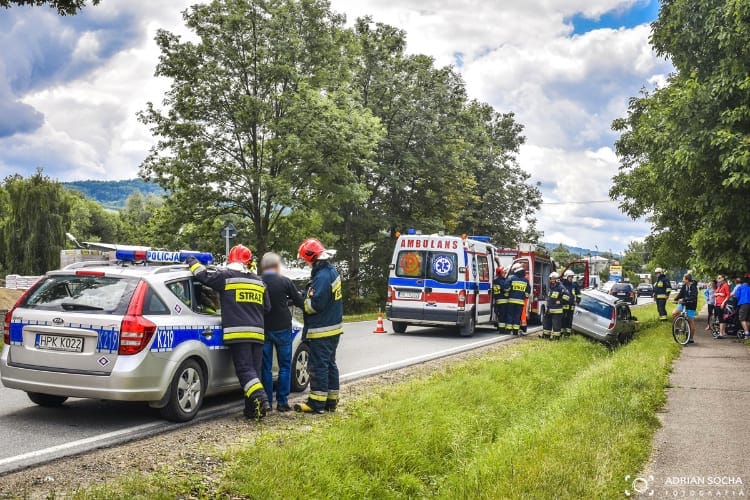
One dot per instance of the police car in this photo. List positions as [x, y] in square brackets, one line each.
[146, 332]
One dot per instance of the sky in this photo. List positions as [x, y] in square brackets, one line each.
[70, 88]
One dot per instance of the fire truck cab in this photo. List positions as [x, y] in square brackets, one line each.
[538, 264]
[438, 280]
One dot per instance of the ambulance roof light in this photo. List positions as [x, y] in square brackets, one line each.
[162, 257]
[483, 239]
[411, 231]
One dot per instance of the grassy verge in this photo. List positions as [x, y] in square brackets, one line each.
[351, 318]
[535, 419]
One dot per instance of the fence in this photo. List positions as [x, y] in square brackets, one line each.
[18, 282]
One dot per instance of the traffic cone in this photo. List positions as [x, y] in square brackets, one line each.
[379, 328]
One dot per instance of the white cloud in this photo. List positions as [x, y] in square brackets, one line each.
[519, 56]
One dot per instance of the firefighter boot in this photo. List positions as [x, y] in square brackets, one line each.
[331, 405]
[256, 408]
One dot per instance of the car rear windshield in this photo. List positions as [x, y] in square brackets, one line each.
[438, 266]
[597, 307]
[622, 287]
[82, 294]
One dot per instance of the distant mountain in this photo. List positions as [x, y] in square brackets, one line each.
[578, 250]
[112, 194]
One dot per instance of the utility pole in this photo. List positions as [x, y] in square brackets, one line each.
[228, 233]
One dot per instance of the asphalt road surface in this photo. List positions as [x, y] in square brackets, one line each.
[32, 434]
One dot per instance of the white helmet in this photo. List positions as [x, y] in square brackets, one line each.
[554, 276]
[569, 272]
[658, 270]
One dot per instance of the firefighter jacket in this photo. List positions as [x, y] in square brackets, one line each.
[575, 293]
[324, 310]
[518, 289]
[244, 301]
[689, 295]
[662, 288]
[500, 290]
[559, 297]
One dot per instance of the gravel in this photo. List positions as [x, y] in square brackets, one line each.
[197, 448]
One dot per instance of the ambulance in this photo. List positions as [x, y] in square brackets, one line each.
[439, 280]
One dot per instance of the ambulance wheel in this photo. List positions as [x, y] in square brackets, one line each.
[46, 400]
[467, 329]
[399, 326]
[300, 373]
[185, 393]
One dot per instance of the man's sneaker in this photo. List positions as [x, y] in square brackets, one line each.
[691, 341]
[305, 408]
[284, 408]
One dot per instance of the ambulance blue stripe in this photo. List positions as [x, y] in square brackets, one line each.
[460, 285]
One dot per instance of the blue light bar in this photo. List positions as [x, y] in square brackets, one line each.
[411, 231]
[483, 239]
[162, 256]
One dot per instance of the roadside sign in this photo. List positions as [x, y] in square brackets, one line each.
[615, 273]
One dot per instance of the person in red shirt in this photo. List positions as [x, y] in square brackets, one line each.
[722, 295]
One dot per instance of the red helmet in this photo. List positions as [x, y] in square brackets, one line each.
[241, 254]
[500, 271]
[310, 250]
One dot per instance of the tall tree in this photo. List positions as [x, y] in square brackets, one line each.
[684, 152]
[89, 221]
[63, 7]
[34, 227]
[258, 121]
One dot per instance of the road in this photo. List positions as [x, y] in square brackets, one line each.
[33, 435]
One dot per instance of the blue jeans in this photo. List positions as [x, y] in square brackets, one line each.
[282, 340]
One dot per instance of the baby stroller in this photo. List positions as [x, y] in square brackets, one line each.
[732, 319]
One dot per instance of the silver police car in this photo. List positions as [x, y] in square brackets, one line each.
[127, 333]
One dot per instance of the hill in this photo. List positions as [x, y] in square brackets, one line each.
[578, 250]
[112, 194]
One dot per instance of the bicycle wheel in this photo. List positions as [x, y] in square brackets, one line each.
[715, 331]
[681, 330]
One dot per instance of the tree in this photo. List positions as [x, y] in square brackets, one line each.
[684, 153]
[258, 121]
[561, 255]
[63, 7]
[33, 228]
[136, 220]
[89, 221]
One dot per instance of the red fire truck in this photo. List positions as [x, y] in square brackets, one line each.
[538, 264]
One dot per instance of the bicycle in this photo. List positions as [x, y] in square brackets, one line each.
[714, 325]
[681, 329]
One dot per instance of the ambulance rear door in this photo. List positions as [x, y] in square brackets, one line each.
[406, 285]
[443, 286]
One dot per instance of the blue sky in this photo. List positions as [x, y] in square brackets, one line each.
[70, 88]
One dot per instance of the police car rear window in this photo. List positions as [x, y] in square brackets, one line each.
[82, 294]
[594, 306]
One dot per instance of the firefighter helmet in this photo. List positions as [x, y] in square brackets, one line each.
[569, 272]
[554, 276]
[310, 250]
[240, 254]
[658, 270]
[500, 271]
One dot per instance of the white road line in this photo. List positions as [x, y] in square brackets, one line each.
[123, 435]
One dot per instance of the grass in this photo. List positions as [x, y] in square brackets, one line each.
[533, 420]
[351, 318]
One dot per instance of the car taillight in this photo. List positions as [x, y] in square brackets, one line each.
[84, 272]
[461, 298]
[612, 319]
[136, 331]
[9, 314]
[391, 294]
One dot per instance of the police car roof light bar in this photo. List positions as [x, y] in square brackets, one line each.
[162, 256]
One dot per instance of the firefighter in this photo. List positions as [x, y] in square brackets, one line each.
[662, 289]
[500, 297]
[518, 291]
[244, 302]
[575, 297]
[557, 299]
[323, 315]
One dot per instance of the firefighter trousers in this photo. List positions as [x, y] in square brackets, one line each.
[661, 307]
[513, 319]
[501, 315]
[552, 324]
[567, 321]
[324, 373]
[248, 359]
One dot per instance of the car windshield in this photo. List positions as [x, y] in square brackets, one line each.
[86, 294]
[597, 307]
[622, 287]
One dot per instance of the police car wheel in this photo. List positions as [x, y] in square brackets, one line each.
[185, 393]
[300, 373]
[399, 326]
[47, 400]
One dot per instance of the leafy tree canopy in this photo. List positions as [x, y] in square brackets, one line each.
[684, 149]
[63, 7]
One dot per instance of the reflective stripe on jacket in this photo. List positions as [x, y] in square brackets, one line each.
[499, 290]
[518, 290]
[662, 287]
[557, 299]
[324, 310]
[244, 301]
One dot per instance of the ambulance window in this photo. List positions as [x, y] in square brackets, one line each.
[484, 268]
[443, 267]
[410, 265]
